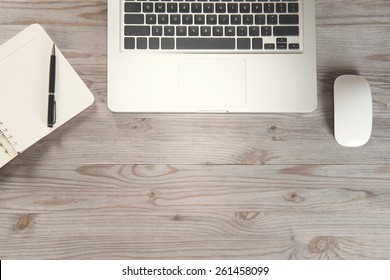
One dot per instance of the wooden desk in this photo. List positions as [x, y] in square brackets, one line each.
[263, 186]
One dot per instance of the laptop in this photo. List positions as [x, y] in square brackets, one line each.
[211, 56]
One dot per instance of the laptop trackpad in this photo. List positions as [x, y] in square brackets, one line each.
[212, 83]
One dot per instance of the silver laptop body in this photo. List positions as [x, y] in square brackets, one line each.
[211, 56]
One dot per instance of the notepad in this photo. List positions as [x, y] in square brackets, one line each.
[24, 83]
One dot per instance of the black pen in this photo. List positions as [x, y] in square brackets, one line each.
[51, 113]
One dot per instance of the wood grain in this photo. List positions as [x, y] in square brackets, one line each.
[186, 186]
[194, 211]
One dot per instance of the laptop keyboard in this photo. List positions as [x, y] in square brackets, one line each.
[269, 26]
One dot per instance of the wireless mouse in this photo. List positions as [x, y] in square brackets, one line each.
[352, 110]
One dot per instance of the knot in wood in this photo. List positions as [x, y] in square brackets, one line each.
[294, 197]
[23, 222]
[321, 244]
[248, 215]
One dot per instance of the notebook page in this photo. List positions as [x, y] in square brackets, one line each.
[24, 89]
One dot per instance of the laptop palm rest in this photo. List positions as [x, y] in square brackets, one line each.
[212, 83]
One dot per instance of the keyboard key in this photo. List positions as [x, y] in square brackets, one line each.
[243, 44]
[172, 7]
[154, 43]
[272, 19]
[134, 19]
[148, 7]
[141, 43]
[217, 31]
[293, 46]
[293, 7]
[163, 19]
[286, 30]
[281, 46]
[257, 8]
[233, 8]
[281, 40]
[220, 8]
[288, 19]
[245, 8]
[157, 30]
[159, 7]
[269, 46]
[208, 8]
[260, 19]
[151, 19]
[281, 8]
[230, 31]
[247, 19]
[254, 31]
[184, 7]
[167, 43]
[211, 19]
[235, 19]
[175, 19]
[266, 31]
[169, 31]
[133, 7]
[205, 31]
[199, 19]
[223, 19]
[134, 30]
[181, 30]
[242, 31]
[205, 44]
[193, 30]
[129, 43]
[269, 8]
[196, 7]
[257, 43]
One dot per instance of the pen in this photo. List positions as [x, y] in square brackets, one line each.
[51, 113]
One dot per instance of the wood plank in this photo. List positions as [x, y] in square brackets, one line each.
[210, 139]
[192, 211]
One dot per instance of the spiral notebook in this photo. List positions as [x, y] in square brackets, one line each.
[24, 82]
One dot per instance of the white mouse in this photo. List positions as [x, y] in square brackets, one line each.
[352, 110]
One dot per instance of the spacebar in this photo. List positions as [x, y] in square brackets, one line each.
[205, 44]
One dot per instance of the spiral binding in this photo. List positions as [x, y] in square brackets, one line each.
[5, 136]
